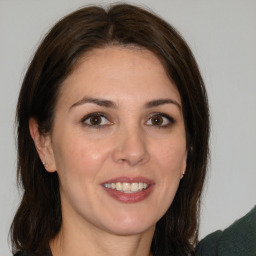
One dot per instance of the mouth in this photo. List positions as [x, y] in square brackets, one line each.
[127, 187]
[129, 190]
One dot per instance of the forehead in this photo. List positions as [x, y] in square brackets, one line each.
[112, 72]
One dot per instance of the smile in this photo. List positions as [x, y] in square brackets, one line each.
[127, 187]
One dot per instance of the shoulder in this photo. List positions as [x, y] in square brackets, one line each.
[208, 246]
[237, 240]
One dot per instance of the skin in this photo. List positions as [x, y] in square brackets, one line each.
[126, 143]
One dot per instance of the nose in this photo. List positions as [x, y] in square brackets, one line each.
[131, 148]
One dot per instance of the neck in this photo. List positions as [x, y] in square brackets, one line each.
[87, 241]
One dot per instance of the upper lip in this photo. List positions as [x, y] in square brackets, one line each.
[129, 180]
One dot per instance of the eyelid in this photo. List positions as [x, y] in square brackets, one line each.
[101, 114]
[164, 115]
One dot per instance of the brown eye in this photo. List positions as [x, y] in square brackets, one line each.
[160, 120]
[95, 120]
[157, 120]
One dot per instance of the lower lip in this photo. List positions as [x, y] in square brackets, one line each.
[130, 197]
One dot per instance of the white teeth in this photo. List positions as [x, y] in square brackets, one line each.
[127, 187]
[134, 187]
[140, 186]
[107, 185]
[119, 186]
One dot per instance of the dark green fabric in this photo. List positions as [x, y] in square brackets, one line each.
[237, 240]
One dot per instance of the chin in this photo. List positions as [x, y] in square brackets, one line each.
[130, 230]
[131, 226]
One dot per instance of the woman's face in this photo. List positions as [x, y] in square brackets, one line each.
[118, 141]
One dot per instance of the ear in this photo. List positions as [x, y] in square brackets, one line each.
[43, 146]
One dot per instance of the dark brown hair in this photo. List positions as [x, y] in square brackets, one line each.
[38, 219]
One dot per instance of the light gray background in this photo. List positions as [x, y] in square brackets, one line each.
[223, 38]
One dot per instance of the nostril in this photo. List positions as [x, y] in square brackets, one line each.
[131, 160]
[130, 149]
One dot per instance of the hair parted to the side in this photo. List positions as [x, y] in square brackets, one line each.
[38, 219]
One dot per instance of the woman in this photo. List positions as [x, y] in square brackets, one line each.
[113, 130]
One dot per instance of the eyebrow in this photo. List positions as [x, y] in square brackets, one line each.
[111, 104]
[99, 102]
[158, 102]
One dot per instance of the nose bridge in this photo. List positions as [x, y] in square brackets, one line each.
[131, 146]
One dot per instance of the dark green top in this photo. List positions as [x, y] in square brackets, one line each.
[239, 239]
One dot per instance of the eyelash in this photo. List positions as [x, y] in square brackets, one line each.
[95, 114]
[170, 120]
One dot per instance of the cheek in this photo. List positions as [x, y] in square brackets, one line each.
[79, 164]
[172, 155]
[171, 162]
[77, 156]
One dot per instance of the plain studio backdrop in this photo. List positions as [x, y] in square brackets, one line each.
[222, 36]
